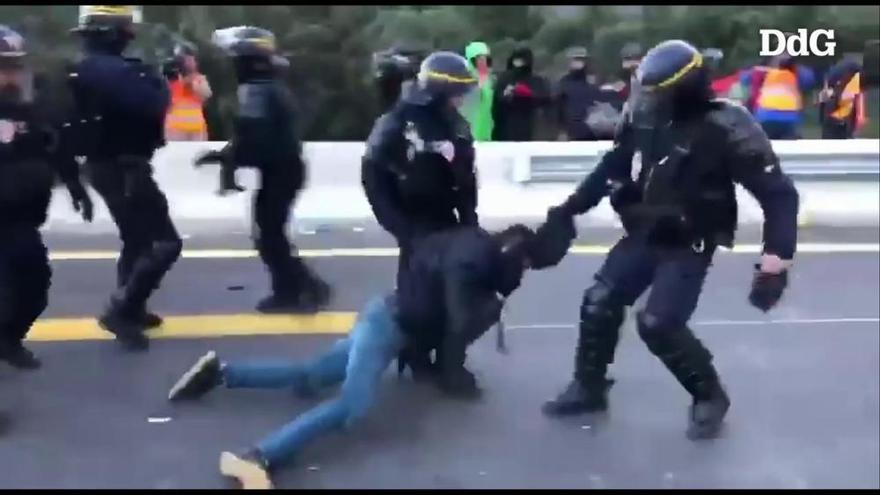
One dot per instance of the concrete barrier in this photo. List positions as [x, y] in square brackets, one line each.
[333, 195]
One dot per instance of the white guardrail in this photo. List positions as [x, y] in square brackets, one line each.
[839, 183]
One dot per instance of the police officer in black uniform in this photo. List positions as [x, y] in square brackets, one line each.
[418, 170]
[265, 138]
[671, 177]
[121, 104]
[29, 163]
[391, 69]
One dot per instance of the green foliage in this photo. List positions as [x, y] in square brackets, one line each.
[330, 46]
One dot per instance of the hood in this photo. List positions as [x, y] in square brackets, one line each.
[523, 53]
[475, 49]
[842, 71]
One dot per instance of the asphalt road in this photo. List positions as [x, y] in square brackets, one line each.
[804, 381]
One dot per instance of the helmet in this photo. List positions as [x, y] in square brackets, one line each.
[443, 75]
[577, 52]
[631, 51]
[672, 78]
[103, 18]
[397, 62]
[108, 27]
[12, 49]
[249, 42]
[713, 57]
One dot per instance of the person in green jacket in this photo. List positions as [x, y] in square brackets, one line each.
[478, 109]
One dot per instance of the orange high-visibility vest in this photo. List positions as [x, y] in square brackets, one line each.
[851, 96]
[185, 114]
[780, 91]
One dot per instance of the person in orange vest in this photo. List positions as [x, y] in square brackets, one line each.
[780, 101]
[842, 102]
[189, 91]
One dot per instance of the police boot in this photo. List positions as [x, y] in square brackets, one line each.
[691, 364]
[149, 319]
[301, 291]
[250, 469]
[200, 379]
[599, 333]
[126, 324]
[18, 356]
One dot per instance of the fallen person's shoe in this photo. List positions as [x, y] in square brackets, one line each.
[203, 377]
[249, 469]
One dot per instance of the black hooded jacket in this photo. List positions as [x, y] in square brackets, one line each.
[448, 295]
[518, 94]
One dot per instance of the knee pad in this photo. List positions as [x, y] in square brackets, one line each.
[599, 307]
[669, 338]
[167, 252]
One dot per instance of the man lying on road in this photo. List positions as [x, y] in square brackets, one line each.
[448, 297]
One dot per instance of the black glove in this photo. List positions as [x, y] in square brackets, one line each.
[553, 239]
[209, 158]
[82, 203]
[767, 288]
[623, 197]
[227, 181]
[459, 383]
[420, 364]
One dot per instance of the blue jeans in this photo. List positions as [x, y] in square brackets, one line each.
[357, 362]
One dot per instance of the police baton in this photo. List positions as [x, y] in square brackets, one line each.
[500, 341]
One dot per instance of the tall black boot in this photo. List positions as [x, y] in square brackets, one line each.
[597, 341]
[124, 322]
[691, 364]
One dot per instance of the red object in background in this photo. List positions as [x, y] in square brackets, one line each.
[723, 85]
[522, 90]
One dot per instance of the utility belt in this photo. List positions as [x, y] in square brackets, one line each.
[80, 136]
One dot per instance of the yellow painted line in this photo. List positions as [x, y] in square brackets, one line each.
[191, 326]
[587, 249]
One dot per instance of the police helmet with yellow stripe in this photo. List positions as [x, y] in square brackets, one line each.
[12, 48]
[671, 80]
[99, 18]
[249, 42]
[442, 75]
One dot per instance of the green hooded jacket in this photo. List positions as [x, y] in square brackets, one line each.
[478, 108]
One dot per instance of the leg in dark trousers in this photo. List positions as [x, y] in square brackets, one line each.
[25, 276]
[294, 287]
[625, 275]
[662, 324]
[150, 243]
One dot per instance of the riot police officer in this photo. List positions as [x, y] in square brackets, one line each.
[29, 162]
[670, 175]
[391, 69]
[418, 170]
[123, 103]
[265, 138]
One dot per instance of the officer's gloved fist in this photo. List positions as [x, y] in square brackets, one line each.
[419, 363]
[459, 383]
[82, 203]
[769, 282]
[553, 239]
[228, 184]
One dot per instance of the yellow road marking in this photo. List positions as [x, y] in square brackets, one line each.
[588, 249]
[189, 326]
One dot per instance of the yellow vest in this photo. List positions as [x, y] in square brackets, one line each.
[847, 99]
[780, 91]
[185, 114]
